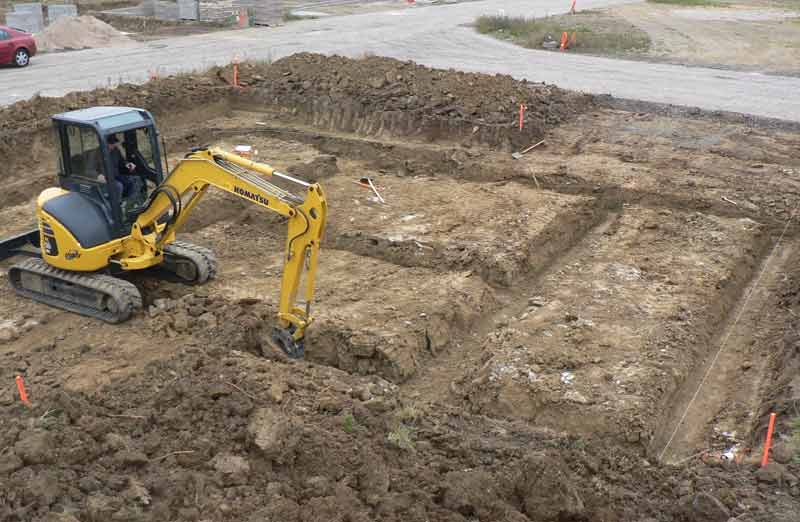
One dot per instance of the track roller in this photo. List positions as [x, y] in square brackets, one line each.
[94, 295]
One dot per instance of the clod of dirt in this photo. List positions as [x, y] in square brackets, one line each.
[321, 167]
[373, 481]
[80, 32]
[35, 447]
[100, 507]
[783, 453]
[233, 469]
[273, 433]
[8, 331]
[10, 463]
[774, 473]
[547, 489]
[706, 508]
[471, 493]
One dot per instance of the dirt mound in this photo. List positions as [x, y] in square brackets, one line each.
[215, 434]
[383, 94]
[80, 32]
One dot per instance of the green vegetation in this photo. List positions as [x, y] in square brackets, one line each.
[689, 3]
[409, 414]
[401, 438]
[594, 34]
[349, 424]
[288, 16]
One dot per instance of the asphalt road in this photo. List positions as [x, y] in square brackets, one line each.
[435, 35]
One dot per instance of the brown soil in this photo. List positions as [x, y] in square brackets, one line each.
[79, 32]
[501, 340]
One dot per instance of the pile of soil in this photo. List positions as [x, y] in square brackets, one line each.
[383, 94]
[80, 32]
[295, 441]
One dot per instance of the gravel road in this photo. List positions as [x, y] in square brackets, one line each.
[437, 36]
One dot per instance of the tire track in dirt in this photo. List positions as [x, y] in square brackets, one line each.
[727, 403]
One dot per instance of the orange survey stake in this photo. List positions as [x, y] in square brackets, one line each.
[23, 395]
[768, 442]
[236, 71]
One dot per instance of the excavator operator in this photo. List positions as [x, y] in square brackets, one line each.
[125, 169]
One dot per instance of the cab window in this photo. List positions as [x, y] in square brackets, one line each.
[85, 157]
[145, 146]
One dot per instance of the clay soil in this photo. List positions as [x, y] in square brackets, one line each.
[500, 340]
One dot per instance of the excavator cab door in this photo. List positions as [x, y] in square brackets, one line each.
[82, 168]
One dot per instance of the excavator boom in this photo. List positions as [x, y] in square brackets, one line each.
[184, 188]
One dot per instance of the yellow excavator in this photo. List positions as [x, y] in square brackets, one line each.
[115, 211]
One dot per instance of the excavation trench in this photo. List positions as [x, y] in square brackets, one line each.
[714, 407]
[721, 409]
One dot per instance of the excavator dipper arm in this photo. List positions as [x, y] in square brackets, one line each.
[182, 190]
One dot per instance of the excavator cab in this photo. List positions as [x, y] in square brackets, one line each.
[94, 174]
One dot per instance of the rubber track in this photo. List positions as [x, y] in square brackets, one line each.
[203, 258]
[127, 296]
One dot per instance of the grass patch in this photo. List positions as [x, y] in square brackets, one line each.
[289, 16]
[409, 414]
[689, 3]
[595, 32]
[401, 437]
[349, 424]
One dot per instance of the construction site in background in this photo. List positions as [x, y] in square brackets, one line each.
[528, 303]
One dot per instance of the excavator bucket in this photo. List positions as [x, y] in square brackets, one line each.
[16, 245]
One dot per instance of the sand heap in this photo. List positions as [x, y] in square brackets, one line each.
[80, 32]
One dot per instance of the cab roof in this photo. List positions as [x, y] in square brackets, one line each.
[107, 118]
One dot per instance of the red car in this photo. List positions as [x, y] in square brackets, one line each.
[16, 47]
